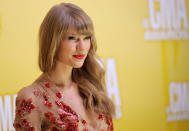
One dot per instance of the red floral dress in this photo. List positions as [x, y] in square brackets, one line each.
[41, 108]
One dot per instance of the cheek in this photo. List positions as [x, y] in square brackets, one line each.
[88, 46]
[67, 48]
[64, 51]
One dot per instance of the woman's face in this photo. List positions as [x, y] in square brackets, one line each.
[74, 49]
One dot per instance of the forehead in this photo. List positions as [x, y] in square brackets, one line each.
[72, 31]
[75, 32]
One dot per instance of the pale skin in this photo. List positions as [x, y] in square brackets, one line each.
[73, 44]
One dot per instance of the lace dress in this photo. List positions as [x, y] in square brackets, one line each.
[42, 108]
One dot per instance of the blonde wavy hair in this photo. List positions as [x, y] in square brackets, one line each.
[90, 78]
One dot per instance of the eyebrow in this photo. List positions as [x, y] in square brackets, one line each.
[72, 34]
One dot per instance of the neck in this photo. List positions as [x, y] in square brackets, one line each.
[61, 75]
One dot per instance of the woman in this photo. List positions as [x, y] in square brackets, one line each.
[69, 95]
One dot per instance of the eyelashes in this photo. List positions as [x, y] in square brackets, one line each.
[71, 38]
[87, 37]
[74, 38]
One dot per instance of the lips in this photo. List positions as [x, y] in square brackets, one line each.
[79, 56]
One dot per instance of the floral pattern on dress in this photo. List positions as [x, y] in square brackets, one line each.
[49, 108]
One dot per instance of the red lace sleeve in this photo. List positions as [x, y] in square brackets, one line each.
[27, 116]
[109, 122]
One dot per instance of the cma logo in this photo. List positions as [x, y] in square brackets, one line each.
[167, 20]
[179, 102]
[112, 84]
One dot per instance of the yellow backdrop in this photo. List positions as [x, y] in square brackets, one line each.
[152, 71]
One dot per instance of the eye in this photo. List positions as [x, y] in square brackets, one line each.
[87, 37]
[71, 38]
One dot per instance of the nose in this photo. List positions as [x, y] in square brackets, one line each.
[81, 44]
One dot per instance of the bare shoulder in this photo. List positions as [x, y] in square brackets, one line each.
[27, 92]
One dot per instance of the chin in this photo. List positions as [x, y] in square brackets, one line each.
[78, 65]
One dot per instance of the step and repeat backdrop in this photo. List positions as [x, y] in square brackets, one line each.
[144, 45]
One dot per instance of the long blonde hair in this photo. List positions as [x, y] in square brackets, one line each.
[91, 76]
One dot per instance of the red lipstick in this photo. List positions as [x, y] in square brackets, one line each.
[79, 56]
